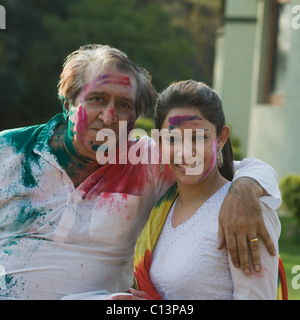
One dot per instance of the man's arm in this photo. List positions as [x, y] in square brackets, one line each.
[241, 219]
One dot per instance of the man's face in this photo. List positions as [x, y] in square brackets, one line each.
[108, 97]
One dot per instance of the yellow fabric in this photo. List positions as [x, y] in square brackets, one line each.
[147, 241]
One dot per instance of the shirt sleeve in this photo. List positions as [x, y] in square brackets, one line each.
[263, 285]
[264, 174]
[91, 295]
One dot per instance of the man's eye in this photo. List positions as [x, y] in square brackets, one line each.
[124, 105]
[96, 99]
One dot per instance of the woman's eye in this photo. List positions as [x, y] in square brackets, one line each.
[200, 137]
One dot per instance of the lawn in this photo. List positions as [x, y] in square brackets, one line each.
[289, 250]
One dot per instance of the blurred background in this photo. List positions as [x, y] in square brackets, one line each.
[248, 50]
[174, 40]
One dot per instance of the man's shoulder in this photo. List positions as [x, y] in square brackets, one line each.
[19, 137]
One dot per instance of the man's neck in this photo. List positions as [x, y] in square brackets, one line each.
[76, 167]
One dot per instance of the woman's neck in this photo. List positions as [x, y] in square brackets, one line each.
[198, 193]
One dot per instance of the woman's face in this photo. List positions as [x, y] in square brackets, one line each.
[203, 155]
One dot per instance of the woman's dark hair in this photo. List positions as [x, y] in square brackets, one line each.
[191, 93]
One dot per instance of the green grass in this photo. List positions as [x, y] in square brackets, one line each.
[289, 250]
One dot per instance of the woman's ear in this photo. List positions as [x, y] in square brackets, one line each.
[224, 134]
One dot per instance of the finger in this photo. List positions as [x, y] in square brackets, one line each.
[265, 237]
[121, 297]
[233, 249]
[243, 254]
[221, 235]
[140, 294]
[255, 253]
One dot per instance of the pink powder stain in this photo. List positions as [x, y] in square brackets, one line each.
[106, 78]
[111, 111]
[213, 160]
[177, 120]
[81, 123]
[259, 274]
[124, 196]
[256, 274]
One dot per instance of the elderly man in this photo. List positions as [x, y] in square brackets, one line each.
[68, 224]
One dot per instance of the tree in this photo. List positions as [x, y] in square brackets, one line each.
[23, 28]
[140, 29]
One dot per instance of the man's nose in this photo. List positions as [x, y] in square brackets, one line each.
[108, 115]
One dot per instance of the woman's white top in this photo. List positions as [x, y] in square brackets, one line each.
[186, 263]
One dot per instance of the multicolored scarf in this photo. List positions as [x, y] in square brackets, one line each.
[147, 241]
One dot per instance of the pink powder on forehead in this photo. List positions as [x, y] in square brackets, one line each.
[177, 120]
[107, 78]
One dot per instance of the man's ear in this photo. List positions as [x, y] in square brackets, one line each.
[224, 135]
[66, 106]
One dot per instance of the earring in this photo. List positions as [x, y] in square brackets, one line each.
[219, 157]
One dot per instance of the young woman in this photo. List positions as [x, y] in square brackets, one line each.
[176, 254]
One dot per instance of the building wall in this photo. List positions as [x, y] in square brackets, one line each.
[274, 132]
[268, 132]
[234, 64]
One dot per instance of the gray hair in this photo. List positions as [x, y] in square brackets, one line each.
[72, 77]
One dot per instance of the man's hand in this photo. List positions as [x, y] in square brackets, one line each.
[241, 220]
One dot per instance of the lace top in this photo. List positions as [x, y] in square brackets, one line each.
[186, 262]
[187, 265]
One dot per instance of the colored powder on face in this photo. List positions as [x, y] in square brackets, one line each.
[213, 160]
[177, 120]
[112, 112]
[81, 124]
[106, 79]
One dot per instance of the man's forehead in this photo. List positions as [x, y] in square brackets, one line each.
[98, 75]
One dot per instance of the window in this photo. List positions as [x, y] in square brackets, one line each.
[280, 34]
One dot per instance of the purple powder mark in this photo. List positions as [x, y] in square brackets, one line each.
[177, 120]
[106, 79]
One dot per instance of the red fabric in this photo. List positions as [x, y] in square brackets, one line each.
[282, 280]
[143, 278]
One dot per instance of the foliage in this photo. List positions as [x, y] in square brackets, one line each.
[290, 192]
[146, 124]
[236, 147]
[173, 39]
[31, 67]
